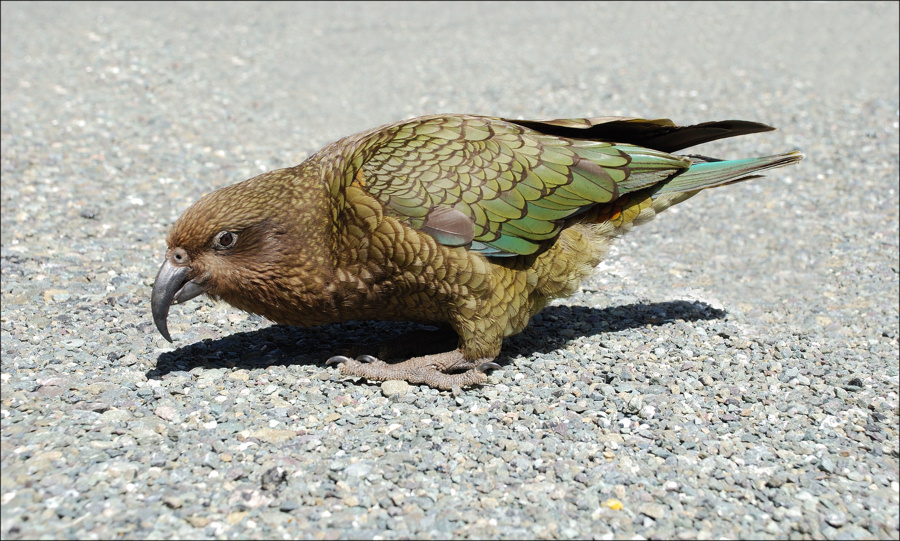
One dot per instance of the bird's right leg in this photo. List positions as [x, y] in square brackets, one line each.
[418, 343]
[410, 344]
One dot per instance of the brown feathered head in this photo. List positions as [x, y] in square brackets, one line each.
[237, 244]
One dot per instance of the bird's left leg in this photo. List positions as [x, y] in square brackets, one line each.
[414, 343]
[442, 370]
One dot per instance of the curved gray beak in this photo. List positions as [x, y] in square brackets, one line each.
[171, 287]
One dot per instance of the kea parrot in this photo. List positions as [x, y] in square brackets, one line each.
[471, 224]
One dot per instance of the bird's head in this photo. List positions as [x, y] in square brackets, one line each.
[234, 244]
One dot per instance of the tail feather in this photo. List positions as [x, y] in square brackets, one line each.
[708, 174]
[660, 134]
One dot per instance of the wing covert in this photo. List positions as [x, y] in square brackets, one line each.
[515, 184]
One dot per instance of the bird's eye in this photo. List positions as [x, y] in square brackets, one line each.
[224, 240]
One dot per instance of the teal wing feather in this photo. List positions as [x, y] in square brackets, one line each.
[513, 185]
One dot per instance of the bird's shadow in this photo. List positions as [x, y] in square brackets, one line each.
[550, 330]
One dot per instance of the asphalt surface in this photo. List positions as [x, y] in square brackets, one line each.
[730, 371]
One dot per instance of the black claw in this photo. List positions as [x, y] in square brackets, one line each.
[337, 359]
[484, 367]
[366, 359]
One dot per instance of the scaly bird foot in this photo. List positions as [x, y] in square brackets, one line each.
[442, 370]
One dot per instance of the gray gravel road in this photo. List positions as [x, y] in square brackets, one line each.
[730, 372]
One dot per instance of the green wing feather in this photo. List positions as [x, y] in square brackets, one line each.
[519, 181]
[517, 185]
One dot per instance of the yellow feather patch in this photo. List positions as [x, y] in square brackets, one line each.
[360, 179]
